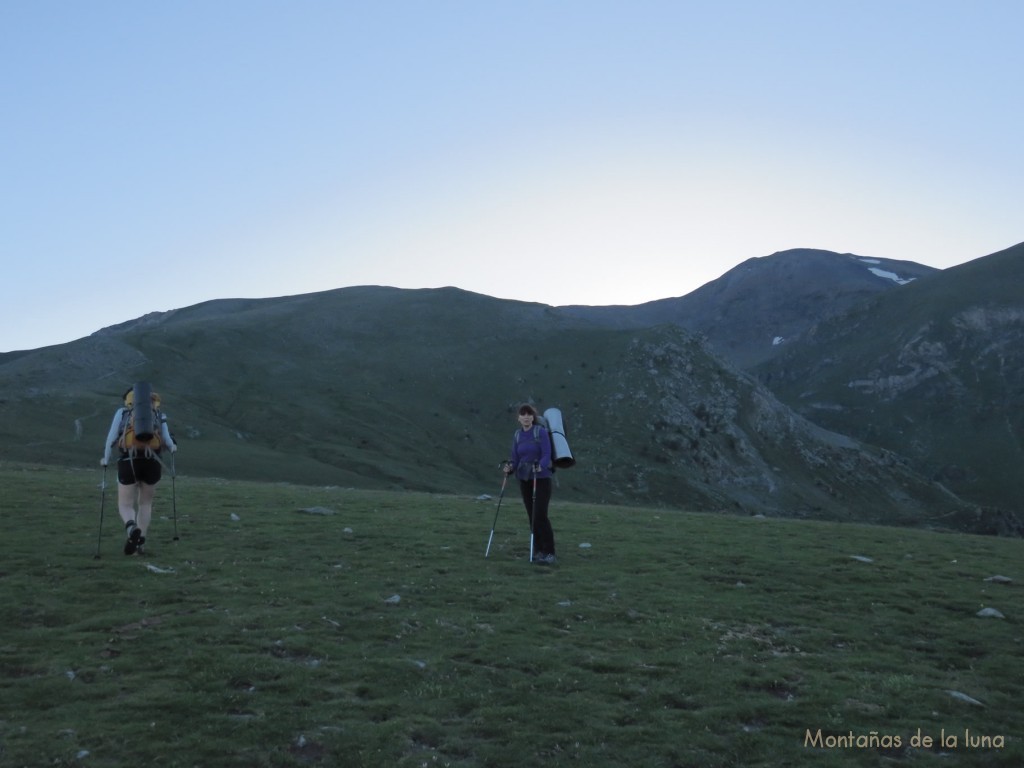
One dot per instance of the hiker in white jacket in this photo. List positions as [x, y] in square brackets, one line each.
[139, 467]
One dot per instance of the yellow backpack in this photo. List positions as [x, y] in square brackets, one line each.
[141, 425]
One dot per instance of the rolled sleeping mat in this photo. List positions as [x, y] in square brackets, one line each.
[143, 418]
[563, 456]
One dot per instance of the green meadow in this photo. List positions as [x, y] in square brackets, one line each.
[310, 626]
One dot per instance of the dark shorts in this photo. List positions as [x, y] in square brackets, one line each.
[138, 470]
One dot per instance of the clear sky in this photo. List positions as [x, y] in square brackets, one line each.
[154, 155]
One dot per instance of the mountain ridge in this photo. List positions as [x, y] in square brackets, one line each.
[804, 285]
[373, 386]
[351, 387]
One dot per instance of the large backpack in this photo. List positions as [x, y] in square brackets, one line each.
[141, 420]
[551, 420]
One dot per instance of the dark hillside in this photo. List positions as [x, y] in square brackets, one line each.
[934, 371]
[385, 388]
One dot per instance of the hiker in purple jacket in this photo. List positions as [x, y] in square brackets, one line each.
[531, 460]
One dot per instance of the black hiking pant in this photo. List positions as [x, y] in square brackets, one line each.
[544, 536]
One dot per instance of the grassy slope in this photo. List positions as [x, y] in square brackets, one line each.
[676, 639]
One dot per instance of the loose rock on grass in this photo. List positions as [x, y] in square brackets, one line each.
[1000, 579]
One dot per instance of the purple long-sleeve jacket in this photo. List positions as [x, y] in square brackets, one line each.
[531, 446]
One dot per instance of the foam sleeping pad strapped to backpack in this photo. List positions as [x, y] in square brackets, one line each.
[561, 456]
[141, 425]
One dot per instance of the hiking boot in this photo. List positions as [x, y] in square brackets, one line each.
[545, 559]
[134, 540]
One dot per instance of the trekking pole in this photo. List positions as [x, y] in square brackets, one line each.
[103, 498]
[533, 510]
[174, 498]
[500, 497]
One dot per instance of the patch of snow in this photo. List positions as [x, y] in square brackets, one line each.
[316, 511]
[890, 276]
[871, 261]
[990, 613]
[965, 698]
[777, 340]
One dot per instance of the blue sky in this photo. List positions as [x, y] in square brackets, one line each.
[157, 155]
